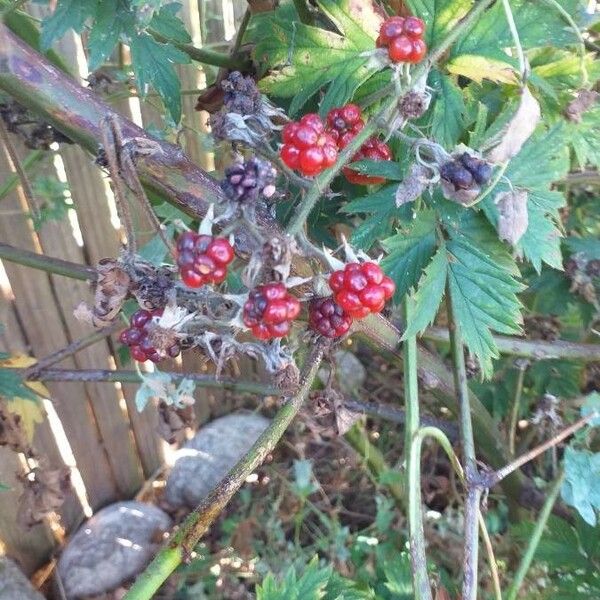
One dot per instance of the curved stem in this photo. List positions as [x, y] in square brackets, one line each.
[514, 413]
[517, 40]
[183, 542]
[421, 585]
[534, 541]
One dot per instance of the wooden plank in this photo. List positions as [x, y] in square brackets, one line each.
[43, 325]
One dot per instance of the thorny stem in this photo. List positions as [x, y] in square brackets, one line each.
[471, 543]
[514, 413]
[418, 557]
[535, 538]
[45, 263]
[532, 349]
[491, 479]
[71, 349]
[183, 542]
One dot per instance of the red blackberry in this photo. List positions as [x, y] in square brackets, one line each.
[361, 288]
[139, 338]
[344, 123]
[328, 318]
[203, 258]
[306, 146]
[373, 149]
[403, 37]
[269, 311]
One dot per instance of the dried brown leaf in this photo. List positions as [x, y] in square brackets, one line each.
[413, 186]
[582, 103]
[44, 491]
[514, 218]
[518, 130]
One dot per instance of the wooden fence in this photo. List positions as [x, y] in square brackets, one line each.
[93, 428]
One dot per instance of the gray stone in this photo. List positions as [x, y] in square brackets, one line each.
[13, 584]
[203, 461]
[111, 548]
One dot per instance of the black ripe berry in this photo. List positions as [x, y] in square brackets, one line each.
[328, 318]
[480, 170]
[139, 339]
[457, 175]
[465, 171]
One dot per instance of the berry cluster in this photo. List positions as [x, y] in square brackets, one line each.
[361, 289]
[343, 124]
[202, 258]
[307, 147]
[466, 170]
[403, 38]
[270, 310]
[139, 340]
[246, 182]
[328, 318]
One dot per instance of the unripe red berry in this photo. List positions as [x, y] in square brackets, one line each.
[269, 311]
[372, 149]
[307, 148]
[418, 52]
[403, 38]
[361, 289]
[203, 258]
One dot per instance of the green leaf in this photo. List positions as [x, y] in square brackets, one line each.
[304, 484]
[561, 378]
[429, 293]
[379, 202]
[111, 19]
[409, 253]
[538, 25]
[371, 230]
[439, 15]
[581, 488]
[309, 586]
[483, 296]
[398, 575]
[68, 14]
[155, 251]
[585, 137]
[153, 64]
[12, 386]
[166, 23]
[447, 122]
[303, 59]
[592, 405]
[589, 246]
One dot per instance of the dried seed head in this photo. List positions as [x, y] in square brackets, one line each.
[414, 104]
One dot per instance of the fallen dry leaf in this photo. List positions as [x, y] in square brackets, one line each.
[514, 218]
[518, 130]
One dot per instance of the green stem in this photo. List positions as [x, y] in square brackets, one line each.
[514, 415]
[45, 263]
[185, 539]
[418, 556]
[534, 541]
[358, 438]
[12, 181]
[516, 39]
[471, 543]
[235, 61]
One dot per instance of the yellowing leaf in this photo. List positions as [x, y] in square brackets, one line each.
[29, 412]
[479, 68]
[22, 361]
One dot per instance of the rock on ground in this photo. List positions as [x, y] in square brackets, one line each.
[13, 584]
[111, 548]
[203, 461]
